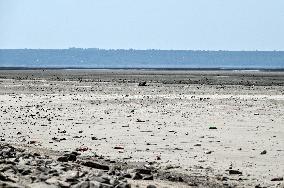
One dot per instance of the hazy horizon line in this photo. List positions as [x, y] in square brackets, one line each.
[144, 49]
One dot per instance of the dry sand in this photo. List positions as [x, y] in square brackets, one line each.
[201, 124]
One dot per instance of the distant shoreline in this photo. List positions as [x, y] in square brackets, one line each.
[148, 69]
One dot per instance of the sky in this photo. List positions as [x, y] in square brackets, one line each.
[143, 24]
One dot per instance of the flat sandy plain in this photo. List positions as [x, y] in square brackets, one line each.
[198, 123]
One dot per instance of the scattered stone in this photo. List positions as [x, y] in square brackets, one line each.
[197, 145]
[277, 179]
[142, 83]
[63, 159]
[263, 152]
[118, 147]
[151, 186]
[139, 120]
[95, 165]
[137, 176]
[235, 172]
[143, 171]
[127, 175]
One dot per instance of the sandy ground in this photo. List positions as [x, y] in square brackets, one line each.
[202, 128]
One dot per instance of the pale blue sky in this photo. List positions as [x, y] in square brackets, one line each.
[143, 24]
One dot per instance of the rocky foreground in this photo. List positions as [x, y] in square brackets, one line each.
[31, 167]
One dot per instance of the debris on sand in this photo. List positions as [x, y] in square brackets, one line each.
[142, 83]
[277, 179]
[263, 152]
[235, 172]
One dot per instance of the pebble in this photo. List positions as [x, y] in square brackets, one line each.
[263, 152]
[95, 165]
[137, 176]
[277, 179]
[234, 172]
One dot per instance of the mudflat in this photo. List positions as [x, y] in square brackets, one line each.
[205, 128]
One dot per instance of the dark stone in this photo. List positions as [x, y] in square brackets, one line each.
[72, 157]
[127, 175]
[142, 83]
[96, 165]
[3, 177]
[277, 179]
[151, 186]
[263, 152]
[26, 172]
[10, 185]
[143, 171]
[137, 176]
[235, 172]
[63, 159]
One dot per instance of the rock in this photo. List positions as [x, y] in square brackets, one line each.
[235, 172]
[137, 176]
[140, 121]
[277, 179]
[142, 83]
[118, 147]
[10, 185]
[212, 127]
[32, 142]
[67, 157]
[63, 159]
[127, 175]
[26, 172]
[143, 171]
[95, 165]
[151, 186]
[5, 178]
[72, 157]
[263, 152]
